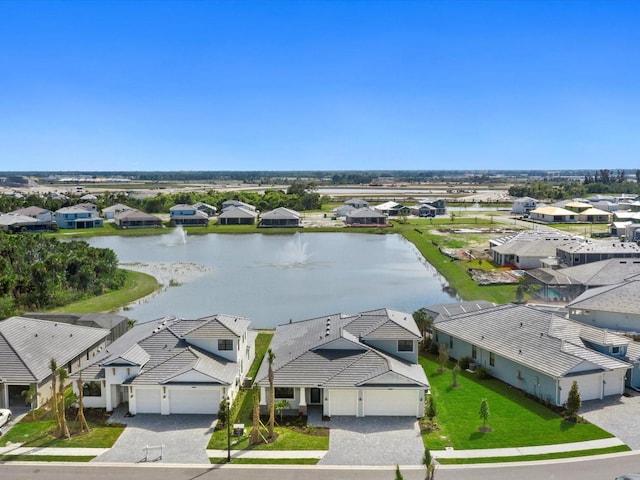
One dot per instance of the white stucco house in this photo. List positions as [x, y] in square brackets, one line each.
[171, 365]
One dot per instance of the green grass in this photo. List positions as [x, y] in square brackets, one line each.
[516, 420]
[137, 285]
[45, 458]
[287, 439]
[266, 461]
[531, 458]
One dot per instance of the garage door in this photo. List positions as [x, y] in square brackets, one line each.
[343, 402]
[390, 402]
[194, 400]
[590, 387]
[147, 400]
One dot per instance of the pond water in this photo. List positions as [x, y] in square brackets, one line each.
[272, 279]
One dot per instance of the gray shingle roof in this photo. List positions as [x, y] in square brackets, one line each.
[27, 346]
[620, 298]
[539, 340]
[281, 213]
[238, 212]
[330, 351]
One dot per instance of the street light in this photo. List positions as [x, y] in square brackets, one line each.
[228, 408]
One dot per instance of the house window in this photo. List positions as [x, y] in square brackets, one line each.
[284, 392]
[450, 342]
[437, 339]
[224, 344]
[405, 345]
[474, 352]
[615, 350]
[91, 389]
[492, 359]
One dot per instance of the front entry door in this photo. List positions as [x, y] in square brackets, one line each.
[315, 396]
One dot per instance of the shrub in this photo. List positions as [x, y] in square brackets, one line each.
[483, 373]
[464, 362]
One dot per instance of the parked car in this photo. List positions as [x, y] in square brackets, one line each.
[5, 416]
[629, 476]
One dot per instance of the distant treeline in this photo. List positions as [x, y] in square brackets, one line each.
[38, 272]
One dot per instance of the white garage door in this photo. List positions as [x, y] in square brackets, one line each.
[147, 400]
[194, 400]
[390, 402]
[589, 386]
[343, 402]
[614, 383]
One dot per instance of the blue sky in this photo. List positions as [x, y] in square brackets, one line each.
[319, 85]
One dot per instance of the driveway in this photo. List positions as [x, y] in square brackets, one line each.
[619, 416]
[184, 439]
[373, 441]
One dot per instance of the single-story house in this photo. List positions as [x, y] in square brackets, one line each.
[189, 215]
[524, 205]
[15, 223]
[136, 219]
[77, 217]
[615, 307]
[281, 217]
[111, 211]
[392, 209]
[366, 217]
[550, 214]
[533, 350]
[528, 248]
[343, 210]
[567, 283]
[588, 251]
[116, 324]
[237, 216]
[36, 212]
[594, 215]
[171, 365]
[355, 365]
[357, 203]
[576, 206]
[237, 203]
[27, 346]
[632, 232]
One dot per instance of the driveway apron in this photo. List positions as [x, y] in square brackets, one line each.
[373, 441]
[183, 439]
[619, 416]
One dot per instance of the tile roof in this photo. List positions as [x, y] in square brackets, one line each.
[280, 213]
[618, 298]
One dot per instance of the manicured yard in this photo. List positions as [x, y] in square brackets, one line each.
[266, 461]
[515, 420]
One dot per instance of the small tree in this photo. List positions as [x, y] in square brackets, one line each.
[423, 320]
[443, 357]
[84, 426]
[398, 473]
[455, 371]
[484, 413]
[281, 405]
[574, 402]
[222, 412]
[53, 365]
[429, 465]
[432, 411]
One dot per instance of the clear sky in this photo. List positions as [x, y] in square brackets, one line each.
[319, 85]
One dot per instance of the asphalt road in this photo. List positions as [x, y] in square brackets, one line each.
[593, 468]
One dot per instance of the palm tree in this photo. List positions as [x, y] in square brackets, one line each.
[64, 428]
[53, 365]
[272, 393]
[255, 431]
[84, 426]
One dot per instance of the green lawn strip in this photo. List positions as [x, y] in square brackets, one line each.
[266, 461]
[38, 434]
[531, 458]
[137, 285]
[287, 439]
[45, 458]
[262, 344]
[516, 421]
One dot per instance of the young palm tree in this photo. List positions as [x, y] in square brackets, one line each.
[54, 398]
[64, 428]
[255, 431]
[272, 393]
[84, 426]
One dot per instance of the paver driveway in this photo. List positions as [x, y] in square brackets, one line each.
[184, 437]
[373, 441]
[619, 416]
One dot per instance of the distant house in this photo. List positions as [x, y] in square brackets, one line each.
[588, 251]
[136, 219]
[111, 212]
[206, 208]
[92, 207]
[355, 365]
[524, 205]
[236, 203]
[535, 351]
[440, 204]
[27, 346]
[77, 217]
[187, 215]
[455, 308]
[392, 209]
[281, 217]
[529, 248]
[172, 365]
[357, 203]
[593, 215]
[577, 206]
[553, 215]
[15, 223]
[366, 217]
[424, 210]
[38, 213]
[343, 210]
[614, 307]
[116, 324]
[237, 216]
[568, 283]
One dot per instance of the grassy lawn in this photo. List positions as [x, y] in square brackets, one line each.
[515, 420]
[532, 458]
[137, 285]
[45, 458]
[38, 432]
[287, 439]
